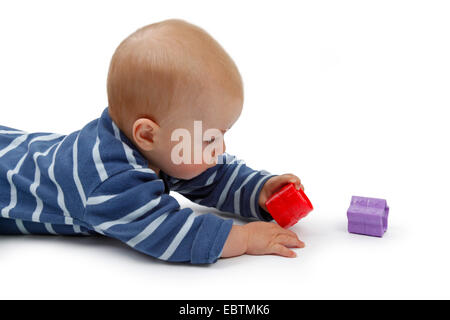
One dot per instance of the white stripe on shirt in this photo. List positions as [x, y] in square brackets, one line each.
[178, 238]
[13, 189]
[50, 229]
[145, 170]
[37, 180]
[211, 179]
[224, 193]
[98, 161]
[252, 198]
[148, 230]
[11, 132]
[14, 144]
[190, 189]
[19, 224]
[60, 195]
[11, 173]
[68, 221]
[76, 177]
[131, 216]
[99, 199]
[237, 193]
[128, 151]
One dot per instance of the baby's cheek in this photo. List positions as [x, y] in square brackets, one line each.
[187, 171]
[194, 170]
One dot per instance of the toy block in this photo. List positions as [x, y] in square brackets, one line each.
[288, 206]
[368, 216]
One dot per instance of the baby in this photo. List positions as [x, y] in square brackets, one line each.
[166, 81]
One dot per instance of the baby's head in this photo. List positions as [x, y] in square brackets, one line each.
[162, 80]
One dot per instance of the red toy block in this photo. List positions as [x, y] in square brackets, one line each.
[289, 205]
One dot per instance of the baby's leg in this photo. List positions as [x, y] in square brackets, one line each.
[19, 227]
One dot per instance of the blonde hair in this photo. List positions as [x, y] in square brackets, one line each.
[160, 66]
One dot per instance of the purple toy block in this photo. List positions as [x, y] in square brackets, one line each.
[368, 216]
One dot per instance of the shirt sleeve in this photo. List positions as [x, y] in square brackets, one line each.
[229, 186]
[132, 207]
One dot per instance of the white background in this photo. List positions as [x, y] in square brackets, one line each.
[352, 96]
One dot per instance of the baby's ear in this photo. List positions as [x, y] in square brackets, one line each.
[144, 133]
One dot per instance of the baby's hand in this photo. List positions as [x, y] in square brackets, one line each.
[259, 238]
[270, 238]
[274, 184]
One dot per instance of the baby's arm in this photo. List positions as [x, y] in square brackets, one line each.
[132, 207]
[229, 186]
[259, 238]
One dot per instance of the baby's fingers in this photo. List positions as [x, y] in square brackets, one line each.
[290, 233]
[289, 241]
[295, 180]
[283, 251]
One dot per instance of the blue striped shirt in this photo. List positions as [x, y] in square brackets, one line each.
[95, 181]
